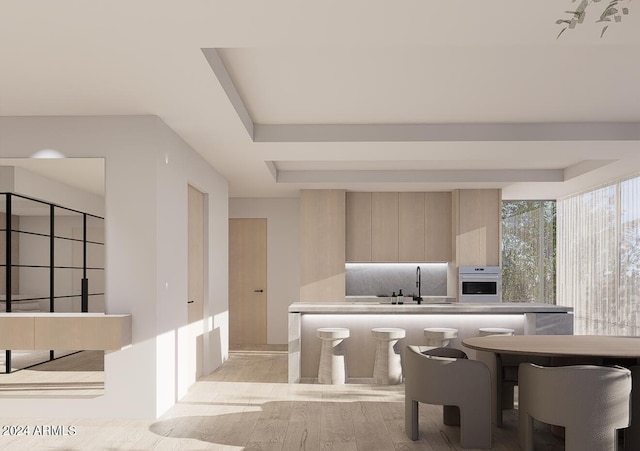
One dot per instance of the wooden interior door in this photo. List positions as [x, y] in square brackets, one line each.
[247, 282]
[196, 268]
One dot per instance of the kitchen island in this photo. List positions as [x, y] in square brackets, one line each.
[360, 317]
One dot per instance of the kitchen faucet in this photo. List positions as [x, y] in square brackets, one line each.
[419, 285]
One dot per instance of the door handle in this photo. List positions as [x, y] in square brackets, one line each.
[190, 302]
[258, 291]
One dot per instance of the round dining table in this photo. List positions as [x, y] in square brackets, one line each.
[567, 349]
[597, 346]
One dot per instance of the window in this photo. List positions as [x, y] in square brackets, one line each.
[599, 258]
[529, 251]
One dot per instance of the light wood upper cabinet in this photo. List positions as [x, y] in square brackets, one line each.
[478, 228]
[384, 227]
[322, 245]
[438, 244]
[411, 226]
[399, 227]
[358, 227]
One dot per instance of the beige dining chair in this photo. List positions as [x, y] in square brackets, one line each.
[459, 385]
[591, 402]
[504, 378]
[632, 433]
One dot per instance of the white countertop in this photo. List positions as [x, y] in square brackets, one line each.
[387, 299]
[426, 307]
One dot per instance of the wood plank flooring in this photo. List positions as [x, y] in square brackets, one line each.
[76, 375]
[247, 404]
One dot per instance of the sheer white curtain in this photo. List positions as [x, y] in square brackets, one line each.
[629, 291]
[598, 273]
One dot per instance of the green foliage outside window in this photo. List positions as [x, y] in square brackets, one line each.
[529, 251]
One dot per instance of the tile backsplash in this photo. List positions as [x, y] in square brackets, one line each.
[373, 279]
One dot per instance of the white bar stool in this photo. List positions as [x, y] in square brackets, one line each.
[440, 336]
[332, 368]
[387, 367]
[485, 331]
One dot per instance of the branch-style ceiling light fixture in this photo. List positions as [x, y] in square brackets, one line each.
[610, 12]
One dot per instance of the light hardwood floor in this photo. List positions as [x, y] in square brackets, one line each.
[247, 404]
[76, 375]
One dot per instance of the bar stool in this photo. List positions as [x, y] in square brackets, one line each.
[485, 331]
[440, 336]
[387, 367]
[332, 368]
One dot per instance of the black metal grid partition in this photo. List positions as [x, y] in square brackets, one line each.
[51, 258]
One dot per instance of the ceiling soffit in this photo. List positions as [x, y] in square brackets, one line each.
[411, 132]
[415, 132]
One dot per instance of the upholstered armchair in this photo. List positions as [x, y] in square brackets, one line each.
[444, 376]
[591, 402]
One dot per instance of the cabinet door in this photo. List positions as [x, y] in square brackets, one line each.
[438, 246]
[478, 231]
[322, 245]
[384, 227]
[411, 237]
[358, 227]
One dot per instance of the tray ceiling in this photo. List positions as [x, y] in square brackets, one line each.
[452, 68]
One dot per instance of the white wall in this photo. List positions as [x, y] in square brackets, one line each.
[22, 181]
[177, 167]
[147, 170]
[283, 256]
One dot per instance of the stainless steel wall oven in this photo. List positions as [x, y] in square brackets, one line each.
[479, 284]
